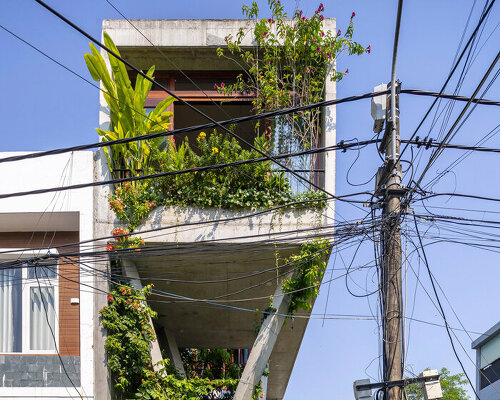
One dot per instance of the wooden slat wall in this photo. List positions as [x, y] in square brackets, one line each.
[68, 314]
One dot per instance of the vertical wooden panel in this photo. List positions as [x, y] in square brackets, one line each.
[69, 314]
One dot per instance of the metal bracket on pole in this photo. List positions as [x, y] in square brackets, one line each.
[401, 383]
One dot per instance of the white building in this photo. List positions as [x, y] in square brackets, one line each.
[46, 320]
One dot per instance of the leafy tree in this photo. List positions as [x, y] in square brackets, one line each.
[452, 386]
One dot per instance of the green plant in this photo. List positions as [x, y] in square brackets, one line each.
[289, 67]
[304, 284]
[244, 186]
[128, 115]
[132, 203]
[127, 320]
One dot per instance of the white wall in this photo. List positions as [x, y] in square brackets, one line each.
[46, 172]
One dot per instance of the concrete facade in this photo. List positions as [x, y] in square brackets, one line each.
[239, 248]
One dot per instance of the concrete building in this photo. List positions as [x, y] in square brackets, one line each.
[46, 321]
[487, 348]
[51, 340]
[219, 245]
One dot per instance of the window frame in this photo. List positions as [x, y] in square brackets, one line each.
[27, 285]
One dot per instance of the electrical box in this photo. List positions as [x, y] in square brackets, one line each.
[362, 394]
[431, 389]
[379, 108]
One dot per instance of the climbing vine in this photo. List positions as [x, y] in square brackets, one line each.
[303, 286]
[127, 320]
[289, 67]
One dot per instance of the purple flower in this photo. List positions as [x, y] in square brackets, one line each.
[322, 34]
[346, 71]
[321, 18]
[328, 55]
[369, 49]
[321, 8]
[339, 33]
[265, 34]
[353, 15]
[318, 49]
[222, 84]
[314, 39]
[215, 86]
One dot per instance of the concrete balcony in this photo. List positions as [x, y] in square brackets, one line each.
[212, 269]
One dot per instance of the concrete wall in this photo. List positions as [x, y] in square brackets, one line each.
[34, 213]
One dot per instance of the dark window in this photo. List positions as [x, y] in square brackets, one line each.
[490, 374]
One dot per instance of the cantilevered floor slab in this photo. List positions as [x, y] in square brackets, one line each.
[230, 268]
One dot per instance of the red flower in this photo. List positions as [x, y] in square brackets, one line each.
[328, 55]
[346, 71]
[321, 8]
[369, 49]
[353, 15]
[321, 18]
[318, 49]
[118, 231]
[322, 34]
[339, 33]
[127, 185]
[265, 34]
[109, 247]
[110, 298]
[300, 13]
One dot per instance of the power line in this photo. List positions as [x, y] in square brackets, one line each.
[172, 173]
[439, 95]
[182, 101]
[476, 29]
[450, 133]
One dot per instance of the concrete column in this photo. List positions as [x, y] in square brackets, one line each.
[102, 228]
[174, 354]
[329, 138]
[263, 347]
[131, 272]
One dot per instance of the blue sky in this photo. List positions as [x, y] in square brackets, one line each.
[43, 107]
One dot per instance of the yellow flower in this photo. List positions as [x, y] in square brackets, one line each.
[202, 135]
[215, 150]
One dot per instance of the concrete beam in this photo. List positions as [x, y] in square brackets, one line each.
[174, 354]
[263, 346]
[131, 272]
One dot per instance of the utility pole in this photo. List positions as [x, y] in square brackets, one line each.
[392, 190]
[391, 284]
